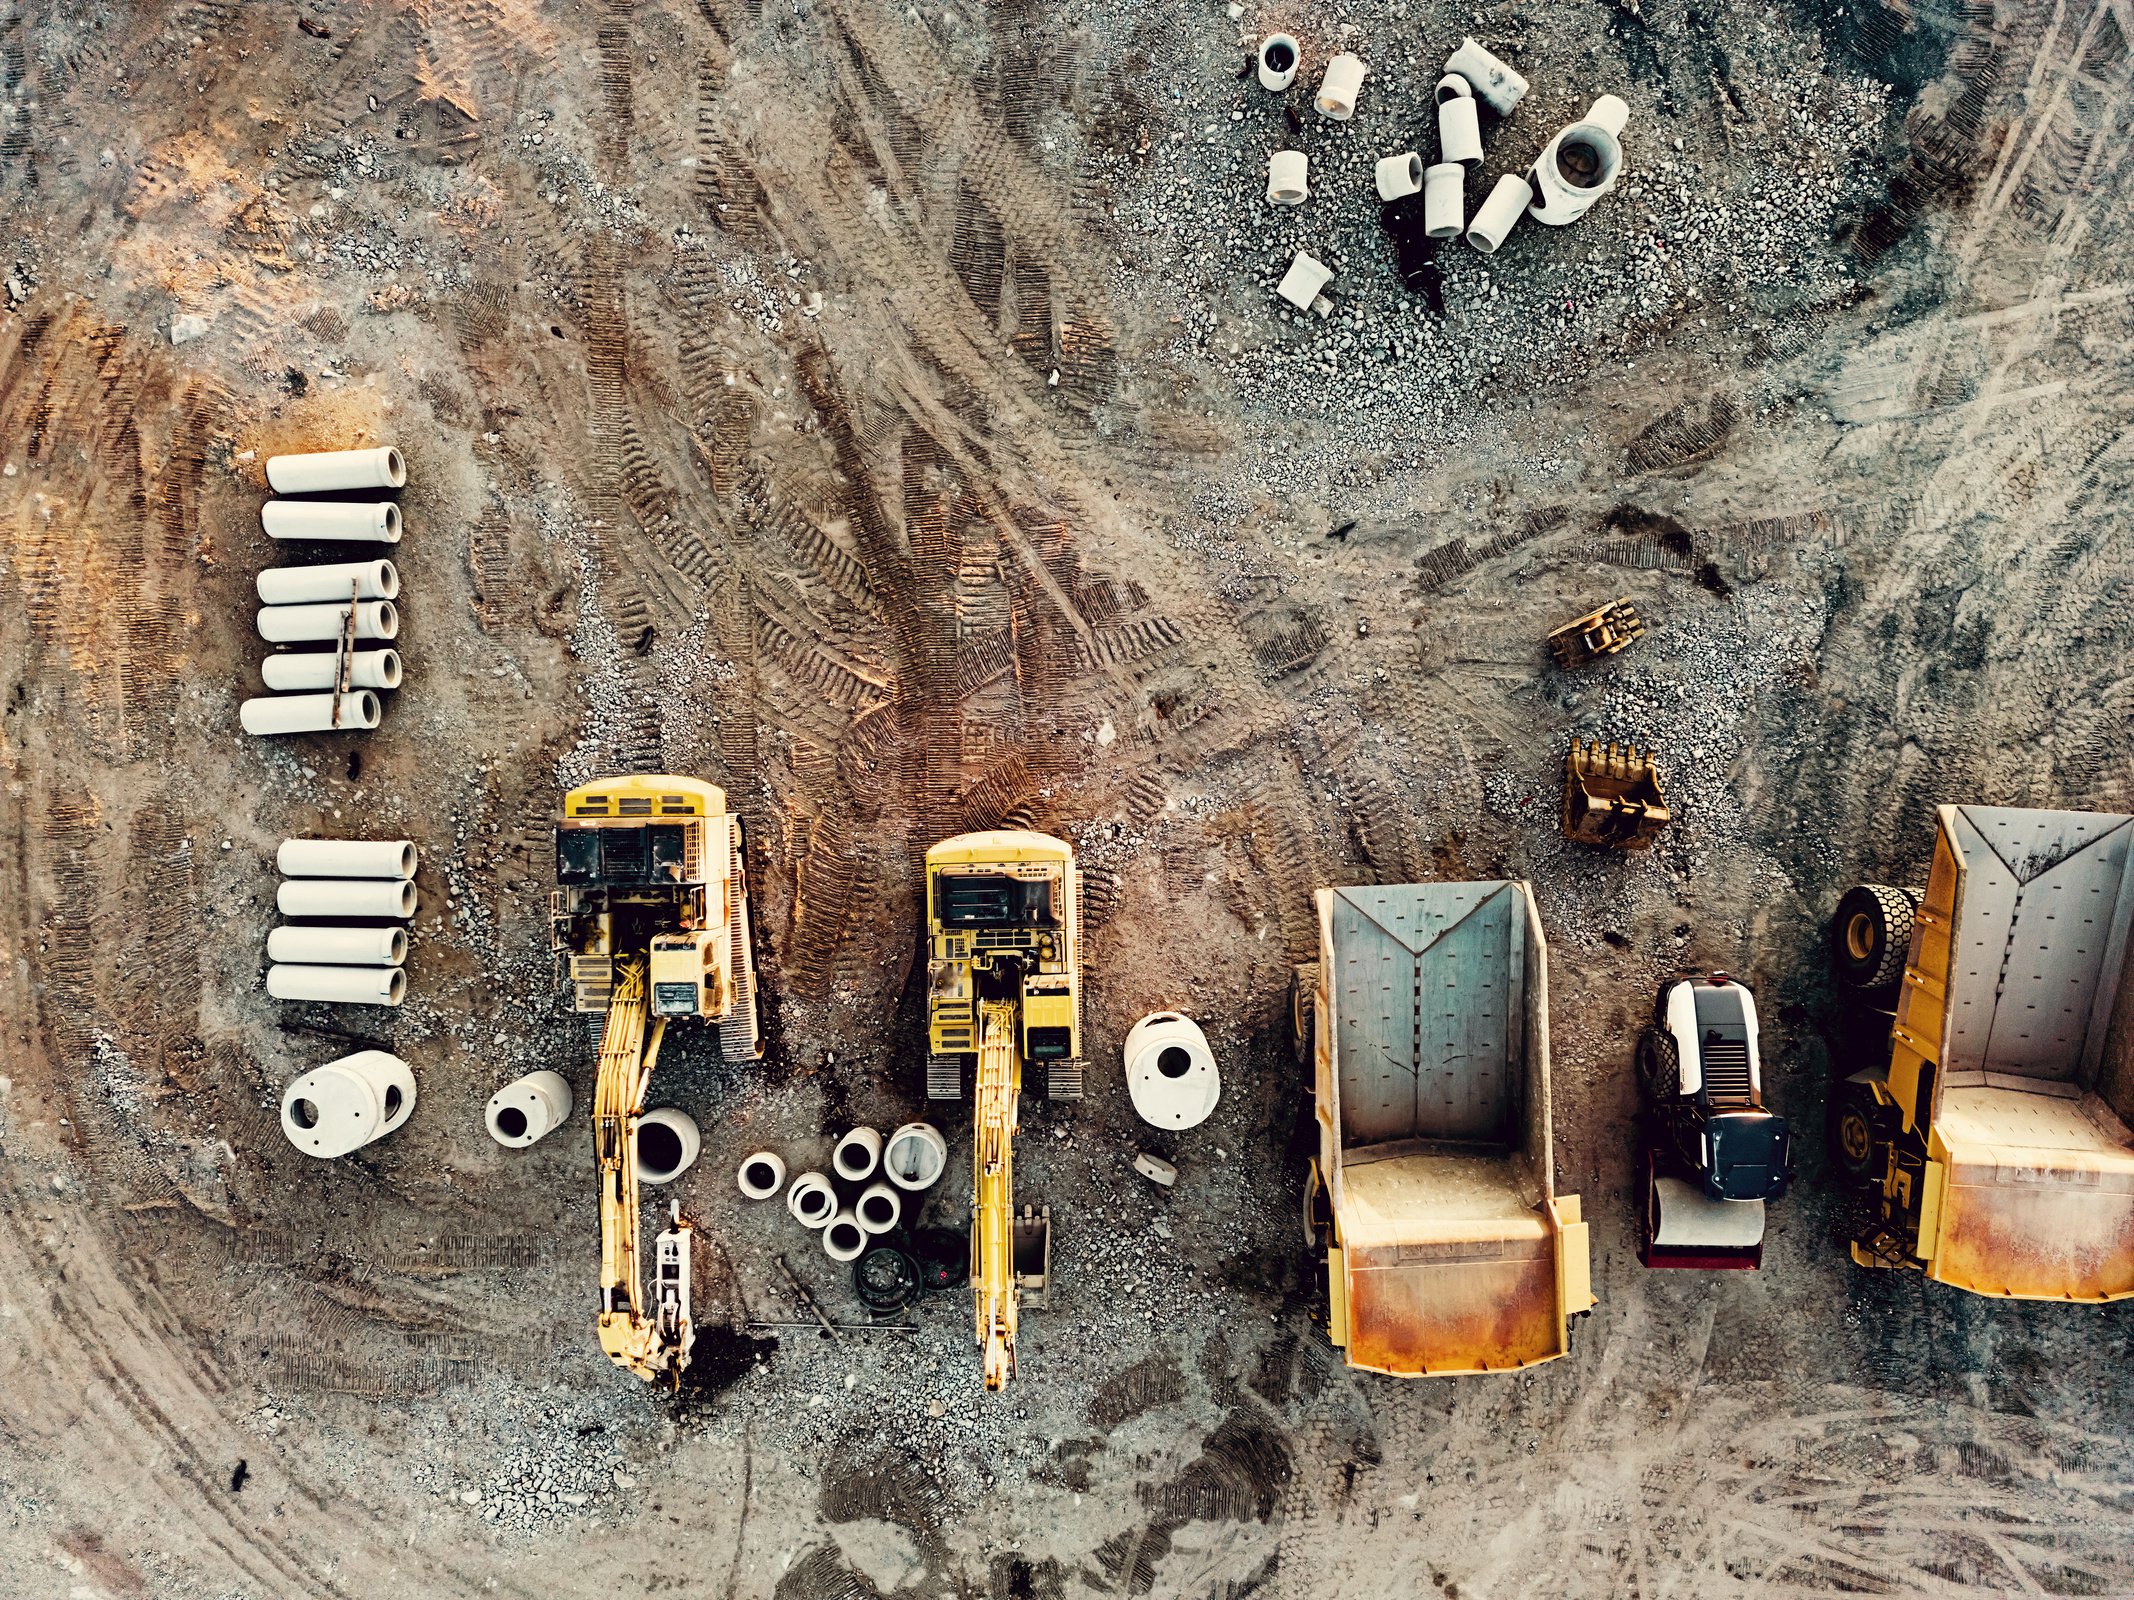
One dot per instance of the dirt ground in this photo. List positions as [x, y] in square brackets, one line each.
[882, 411]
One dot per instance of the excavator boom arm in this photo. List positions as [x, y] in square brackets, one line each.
[629, 1048]
[993, 1246]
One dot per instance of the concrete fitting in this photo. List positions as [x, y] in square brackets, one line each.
[1445, 200]
[346, 897]
[329, 584]
[1398, 175]
[1170, 1071]
[879, 1208]
[339, 947]
[328, 470]
[322, 624]
[1493, 78]
[915, 1156]
[843, 1239]
[1579, 165]
[811, 1200]
[1336, 99]
[1459, 130]
[346, 858]
[1454, 87]
[857, 1154]
[347, 1104]
[313, 669]
[340, 986]
[667, 1144]
[1301, 284]
[1157, 1170]
[529, 1110]
[1279, 56]
[377, 521]
[309, 713]
[1287, 183]
[1500, 213]
[761, 1174]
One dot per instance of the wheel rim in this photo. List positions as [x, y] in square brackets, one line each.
[1855, 1138]
[1860, 936]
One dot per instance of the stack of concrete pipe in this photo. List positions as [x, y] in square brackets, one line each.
[862, 1196]
[348, 948]
[308, 606]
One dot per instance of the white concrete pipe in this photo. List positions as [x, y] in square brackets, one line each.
[1459, 130]
[668, 1144]
[376, 521]
[1500, 213]
[1579, 165]
[327, 470]
[329, 584]
[1307, 275]
[915, 1156]
[339, 947]
[1336, 100]
[1287, 183]
[811, 1200]
[345, 897]
[1170, 1071]
[1279, 55]
[309, 713]
[1398, 175]
[879, 1208]
[347, 1104]
[341, 986]
[346, 858]
[1493, 78]
[857, 1154]
[313, 669]
[528, 1110]
[761, 1174]
[1445, 200]
[375, 619]
[843, 1239]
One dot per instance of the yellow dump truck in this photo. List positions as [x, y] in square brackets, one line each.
[1433, 1195]
[1995, 1135]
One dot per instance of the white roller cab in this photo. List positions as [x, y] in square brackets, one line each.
[1170, 1071]
[346, 1104]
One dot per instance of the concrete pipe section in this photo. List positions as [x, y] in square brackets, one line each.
[328, 584]
[375, 522]
[522, 1113]
[811, 1200]
[338, 947]
[843, 1239]
[309, 713]
[857, 1154]
[1579, 165]
[1170, 1071]
[761, 1175]
[340, 986]
[1307, 275]
[346, 858]
[345, 897]
[1287, 174]
[1398, 175]
[322, 624]
[1459, 128]
[1445, 200]
[879, 1208]
[347, 1104]
[1279, 56]
[1500, 213]
[667, 1144]
[326, 471]
[1493, 79]
[314, 669]
[915, 1156]
[1336, 100]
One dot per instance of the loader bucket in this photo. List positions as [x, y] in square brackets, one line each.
[1611, 796]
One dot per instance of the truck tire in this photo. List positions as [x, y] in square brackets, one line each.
[1303, 1009]
[1871, 935]
[1859, 1131]
[1659, 1067]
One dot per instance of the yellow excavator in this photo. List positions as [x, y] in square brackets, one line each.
[1003, 987]
[650, 920]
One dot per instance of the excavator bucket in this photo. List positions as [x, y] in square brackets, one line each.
[1611, 796]
[1596, 634]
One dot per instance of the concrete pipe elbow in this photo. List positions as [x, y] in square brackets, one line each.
[347, 1104]
[529, 1110]
[1302, 283]
[1398, 176]
[346, 858]
[1279, 57]
[338, 986]
[323, 624]
[1493, 79]
[374, 522]
[328, 584]
[1287, 174]
[1170, 1071]
[1500, 213]
[811, 1199]
[668, 1144]
[1576, 168]
[1445, 200]
[314, 669]
[761, 1175]
[328, 471]
[346, 897]
[310, 713]
[1459, 131]
[915, 1156]
[843, 1239]
[879, 1208]
[1338, 89]
[857, 1154]
[338, 947]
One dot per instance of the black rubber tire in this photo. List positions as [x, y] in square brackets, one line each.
[1871, 935]
[1303, 1005]
[886, 1279]
[944, 1258]
[1858, 1131]
[1659, 1067]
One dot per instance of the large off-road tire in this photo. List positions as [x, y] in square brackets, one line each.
[1859, 1130]
[1871, 935]
[1303, 1007]
[1659, 1067]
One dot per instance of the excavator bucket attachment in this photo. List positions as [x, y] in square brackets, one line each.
[1032, 1239]
[1596, 634]
[1611, 796]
